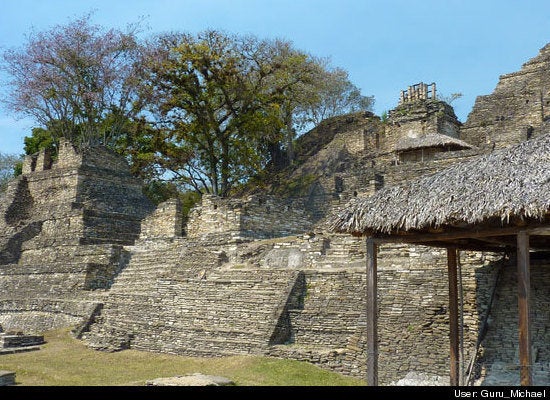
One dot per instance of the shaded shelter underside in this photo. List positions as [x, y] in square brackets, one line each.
[491, 235]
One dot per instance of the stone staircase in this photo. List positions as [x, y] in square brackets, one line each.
[11, 343]
[325, 328]
[175, 298]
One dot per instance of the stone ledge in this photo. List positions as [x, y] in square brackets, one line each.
[13, 350]
[7, 378]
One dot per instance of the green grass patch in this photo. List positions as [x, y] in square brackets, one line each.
[66, 361]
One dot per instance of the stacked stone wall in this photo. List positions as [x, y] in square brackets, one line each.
[49, 215]
[214, 215]
[37, 314]
[398, 173]
[500, 352]
[518, 108]
[329, 328]
[209, 312]
[165, 222]
[257, 216]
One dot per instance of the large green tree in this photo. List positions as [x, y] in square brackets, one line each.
[226, 106]
[218, 102]
[204, 112]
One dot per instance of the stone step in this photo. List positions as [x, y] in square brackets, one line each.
[201, 330]
[15, 350]
[7, 378]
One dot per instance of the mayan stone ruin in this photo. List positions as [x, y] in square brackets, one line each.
[81, 246]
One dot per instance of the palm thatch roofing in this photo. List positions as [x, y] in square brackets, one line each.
[431, 140]
[509, 187]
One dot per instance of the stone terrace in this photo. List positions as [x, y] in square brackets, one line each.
[175, 299]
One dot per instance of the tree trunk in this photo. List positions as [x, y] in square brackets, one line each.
[225, 168]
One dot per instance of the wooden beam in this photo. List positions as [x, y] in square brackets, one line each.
[467, 233]
[544, 231]
[453, 316]
[524, 292]
[472, 245]
[372, 314]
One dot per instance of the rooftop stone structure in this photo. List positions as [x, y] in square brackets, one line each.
[518, 108]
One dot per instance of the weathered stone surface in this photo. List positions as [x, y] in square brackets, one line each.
[421, 379]
[20, 340]
[257, 216]
[196, 379]
[517, 109]
[62, 225]
[7, 378]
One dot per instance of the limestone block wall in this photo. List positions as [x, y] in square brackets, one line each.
[214, 215]
[164, 222]
[333, 192]
[38, 314]
[395, 174]
[53, 192]
[518, 108]
[330, 315]
[267, 216]
[328, 328]
[112, 200]
[52, 212]
[500, 351]
[156, 304]
[84, 197]
[62, 271]
[413, 301]
[415, 118]
[7, 340]
[258, 216]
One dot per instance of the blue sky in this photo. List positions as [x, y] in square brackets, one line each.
[387, 45]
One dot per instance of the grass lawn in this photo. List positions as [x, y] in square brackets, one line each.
[66, 361]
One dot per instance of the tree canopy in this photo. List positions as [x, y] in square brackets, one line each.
[205, 111]
[71, 77]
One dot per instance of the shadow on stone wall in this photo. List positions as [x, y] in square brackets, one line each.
[283, 333]
[488, 281]
[11, 251]
[21, 207]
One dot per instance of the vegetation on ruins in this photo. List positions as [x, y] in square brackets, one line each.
[205, 111]
[8, 165]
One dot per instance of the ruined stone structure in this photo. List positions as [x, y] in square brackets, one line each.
[81, 246]
[420, 91]
[518, 109]
[7, 378]
[257, 216]
[62, 228]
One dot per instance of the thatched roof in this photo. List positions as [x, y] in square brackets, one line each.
[510, 182]
[431, 140]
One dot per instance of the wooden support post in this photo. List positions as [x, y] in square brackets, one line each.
[524, 294]
[372, 314]
[453, 315]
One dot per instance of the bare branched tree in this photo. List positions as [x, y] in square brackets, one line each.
[72, 77]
